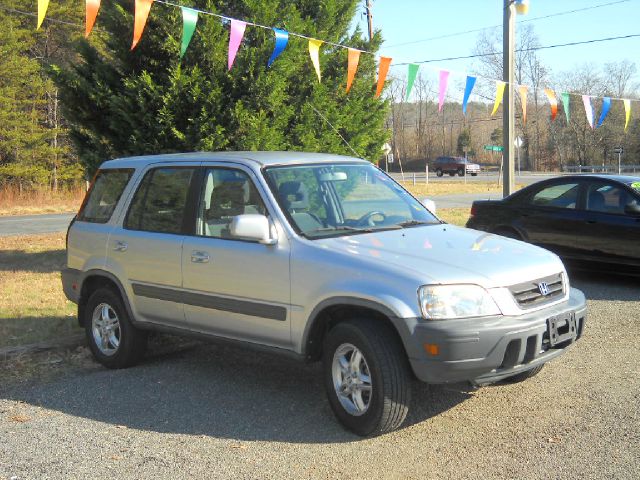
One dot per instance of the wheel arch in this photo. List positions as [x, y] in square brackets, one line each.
[94, 279]
[501, 229]
[333, 311]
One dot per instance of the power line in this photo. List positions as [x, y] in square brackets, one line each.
[530, 49]
[48, 19]
[534, 19]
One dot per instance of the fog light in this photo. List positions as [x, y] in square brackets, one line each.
[432, 349]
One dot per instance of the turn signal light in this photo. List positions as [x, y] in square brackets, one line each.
[432, 349]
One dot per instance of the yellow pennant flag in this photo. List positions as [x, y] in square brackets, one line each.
[499, 94]
[42, 11]
[523, 99]
[627, 113]
[314, 52]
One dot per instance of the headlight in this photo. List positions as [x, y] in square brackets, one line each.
[439, 302]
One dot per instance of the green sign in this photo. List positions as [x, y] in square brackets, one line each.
[494, 148]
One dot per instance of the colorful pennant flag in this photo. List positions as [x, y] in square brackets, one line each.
[141, 14]
[352, 66]
[383, 69]
[627, 113]
[235, 39]
[92, 7]
[523, 100]
[588, 109]
[471, 82]
[444, 81]
[282, 38]
[42, 11]
[606, 106]
[566, 99]
[411, 78]
[314, 52]
[189, 20]
[499, 94]
[553, 101]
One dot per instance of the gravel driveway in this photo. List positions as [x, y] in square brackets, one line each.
[206, 411]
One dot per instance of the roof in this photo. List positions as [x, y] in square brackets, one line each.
[260, 158]
[626, 179]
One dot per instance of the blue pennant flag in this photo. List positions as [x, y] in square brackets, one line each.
[606, 105]
[471, 81]
[282, 38]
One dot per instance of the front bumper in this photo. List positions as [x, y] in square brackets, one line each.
[485, 350]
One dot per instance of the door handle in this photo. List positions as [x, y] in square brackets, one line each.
[121, 246]
[199, 257]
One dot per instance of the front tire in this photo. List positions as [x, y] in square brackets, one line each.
[439, 172]
[366, 377]
[521, 377]
[460, 172]
[112, 338]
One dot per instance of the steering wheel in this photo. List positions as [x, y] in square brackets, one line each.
[367, 219]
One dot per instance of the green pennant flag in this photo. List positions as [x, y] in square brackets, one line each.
[411, 77]
[189, 20]
[566, 106]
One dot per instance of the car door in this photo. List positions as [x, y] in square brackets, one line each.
[608, 234]
[145, 250]
[235, 288]
[549, 216]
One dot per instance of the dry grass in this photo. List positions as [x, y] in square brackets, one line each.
[455, 216]
[33, 307]
[433, 189]
[14, 202]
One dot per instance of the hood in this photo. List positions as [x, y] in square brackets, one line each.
[449, 254]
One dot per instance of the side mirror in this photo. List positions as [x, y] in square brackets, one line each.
[429, 204]
[632, 208]
[252, 227]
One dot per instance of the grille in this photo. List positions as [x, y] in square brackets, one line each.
[529, 294]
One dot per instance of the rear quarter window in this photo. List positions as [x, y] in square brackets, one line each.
[104, 194]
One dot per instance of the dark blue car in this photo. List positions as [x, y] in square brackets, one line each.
[589, 220]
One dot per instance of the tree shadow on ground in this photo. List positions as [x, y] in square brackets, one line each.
[31, 329]
[606, 286]
[216, 391]
[49, 261]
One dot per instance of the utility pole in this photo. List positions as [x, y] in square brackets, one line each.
[368, 6]
[508, 120]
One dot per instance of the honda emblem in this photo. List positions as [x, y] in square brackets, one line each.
[544, 288]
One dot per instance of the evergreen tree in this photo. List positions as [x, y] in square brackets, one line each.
[121, 102]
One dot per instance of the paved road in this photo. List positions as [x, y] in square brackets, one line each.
[31, 224]
[213, 412]
[524, 179]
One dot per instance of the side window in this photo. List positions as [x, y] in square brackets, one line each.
[103, 197]
[606, 198]
[226, 193]
[564, 195]
[159, 203]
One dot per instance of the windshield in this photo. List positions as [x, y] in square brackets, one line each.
[343, 199]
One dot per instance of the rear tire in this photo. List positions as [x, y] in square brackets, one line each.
[366, 377]
[521, 377]
[505, 232]
[112, 338]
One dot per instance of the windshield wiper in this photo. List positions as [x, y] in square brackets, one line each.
[348, 228]
[413, 223]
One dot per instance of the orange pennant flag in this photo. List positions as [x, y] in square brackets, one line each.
[92, 7]
[142, 12]
[523, 100]
[382, 74]
[352, 66]
[553, 102]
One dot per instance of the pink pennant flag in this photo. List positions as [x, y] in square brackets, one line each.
[588, 109]
[444, 81]
[235, 39]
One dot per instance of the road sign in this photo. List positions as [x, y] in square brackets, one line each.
[386, 149]
[494, 148]
[618, 150]
[390, 158]
[518, 142]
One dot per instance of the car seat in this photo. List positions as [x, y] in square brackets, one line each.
[295, 198]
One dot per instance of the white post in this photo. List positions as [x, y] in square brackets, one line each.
[426, 178]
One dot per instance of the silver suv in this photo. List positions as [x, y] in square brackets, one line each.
[320, 256]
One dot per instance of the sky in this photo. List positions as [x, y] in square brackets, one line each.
[403, 21]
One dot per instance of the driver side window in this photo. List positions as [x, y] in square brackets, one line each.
[226, 193]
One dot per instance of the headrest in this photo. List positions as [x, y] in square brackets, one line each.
[294, 195]
[228, 200]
